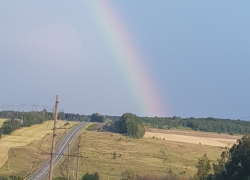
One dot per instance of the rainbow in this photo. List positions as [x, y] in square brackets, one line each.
[133, 67]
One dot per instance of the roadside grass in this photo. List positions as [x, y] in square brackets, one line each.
[110, 154]
[91, 126]
[18, 150]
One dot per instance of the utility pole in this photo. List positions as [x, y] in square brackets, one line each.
[53, 142]
[77, 157]
[68, 164]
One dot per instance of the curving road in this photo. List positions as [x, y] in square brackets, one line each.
[43, 172]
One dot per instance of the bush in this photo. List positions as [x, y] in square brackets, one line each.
[88, 176]
[66, 124]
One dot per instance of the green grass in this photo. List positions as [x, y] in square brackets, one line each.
[142, 156]
[91, 127]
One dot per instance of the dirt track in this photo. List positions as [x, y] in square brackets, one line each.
[194, 137]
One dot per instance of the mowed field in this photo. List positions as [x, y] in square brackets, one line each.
[194, 137]
[110, 154]
[23, 143]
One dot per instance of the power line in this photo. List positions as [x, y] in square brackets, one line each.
[244, 117]
[39, 147]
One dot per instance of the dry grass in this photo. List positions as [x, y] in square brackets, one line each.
[194, 137]
[22, 146]
[144, 156]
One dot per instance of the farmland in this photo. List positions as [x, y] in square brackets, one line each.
[110, 154]
[194, 137]
[22, 145]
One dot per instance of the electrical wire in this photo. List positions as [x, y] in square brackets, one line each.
[244, 117]
[39, 148]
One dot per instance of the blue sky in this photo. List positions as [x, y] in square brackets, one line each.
[197, 51]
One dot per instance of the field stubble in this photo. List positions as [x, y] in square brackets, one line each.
[194, 137]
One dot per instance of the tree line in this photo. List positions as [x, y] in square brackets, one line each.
[199, 124]
[208, 124]
[61, 115]
[96, 117]
[73, 117]
[26, 119]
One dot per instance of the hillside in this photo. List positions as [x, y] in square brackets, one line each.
[22, 145]
[110, 154]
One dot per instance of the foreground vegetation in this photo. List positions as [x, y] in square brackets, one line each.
[234, 164]
[113, 155]
[200, 124]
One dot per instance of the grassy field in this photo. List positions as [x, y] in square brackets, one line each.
[22, 146]
[2, 121]
[111, 154]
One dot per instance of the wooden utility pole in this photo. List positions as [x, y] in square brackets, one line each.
[68, 164]
[53, 142]
[77, 157]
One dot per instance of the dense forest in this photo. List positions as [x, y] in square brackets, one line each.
[199, 124]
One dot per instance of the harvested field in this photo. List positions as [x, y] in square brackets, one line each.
[194, 137]
[25, 136]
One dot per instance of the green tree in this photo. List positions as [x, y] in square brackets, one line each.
[203, 168]
[238, 165]
[10, 125]
[233, 164]
[130, 125]
[98, 118]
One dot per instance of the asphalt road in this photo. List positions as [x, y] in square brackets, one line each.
[43, 172]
